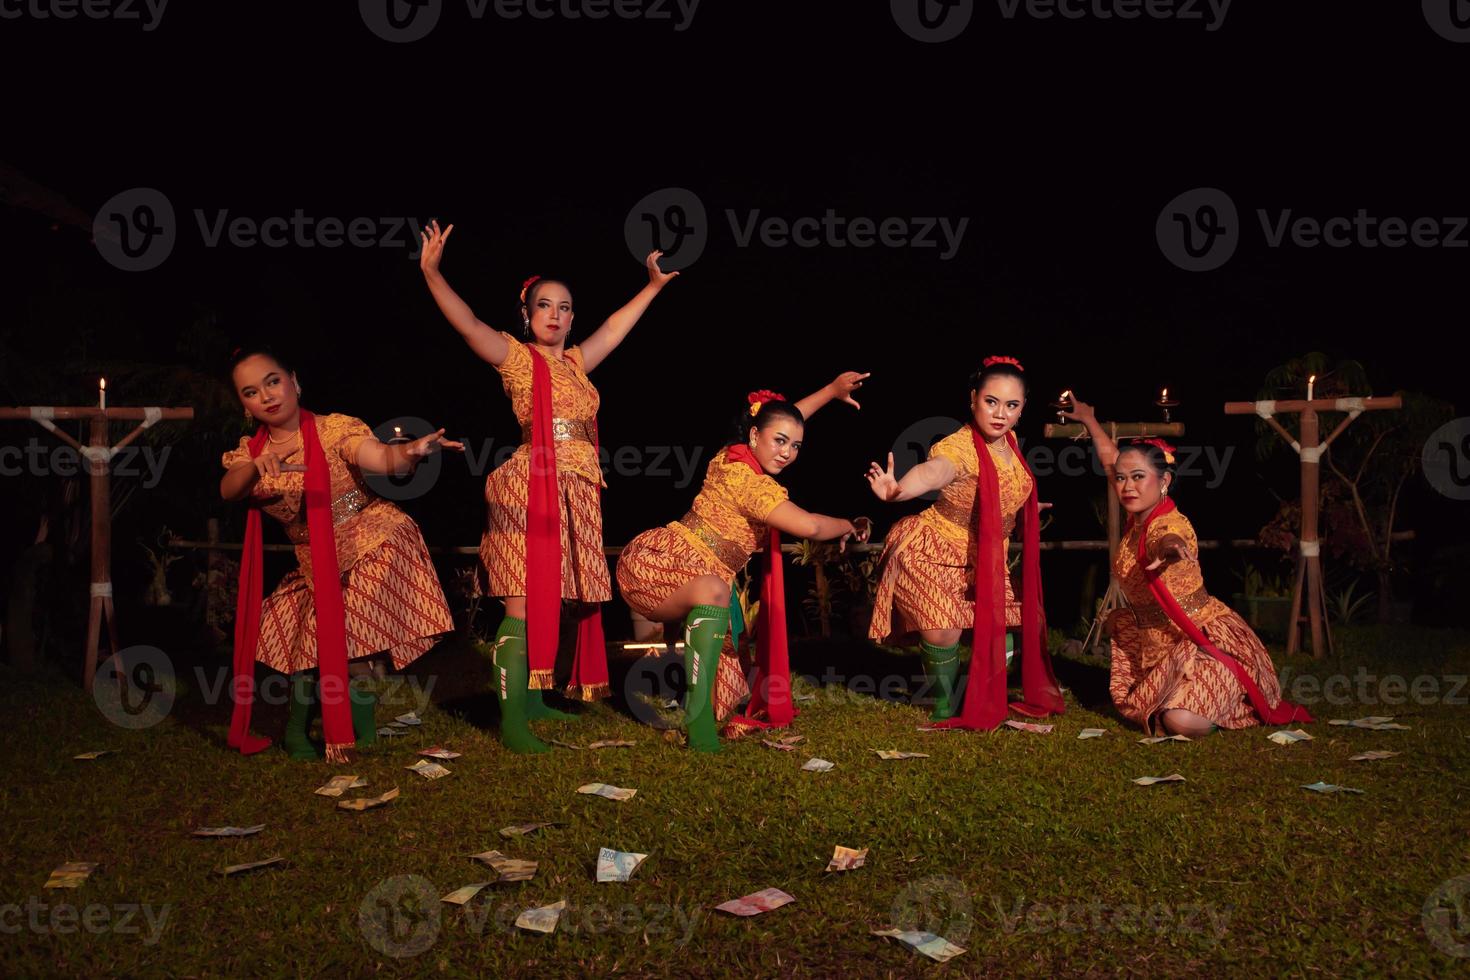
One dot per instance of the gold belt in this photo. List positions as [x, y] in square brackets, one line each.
[1153, 616]
[352, 502]
[730, 554]
[964, 516]
[565, 430]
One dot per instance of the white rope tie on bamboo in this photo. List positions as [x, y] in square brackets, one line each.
[44, 414]
[98, 454]
[151, 415]
[1354, 405]
[1312, 454]
[1266, 409]
[1311, 549]
[101, 590]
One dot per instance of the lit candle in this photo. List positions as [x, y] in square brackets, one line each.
[397, 432]
[1164, 395]
[1310, 382]
[102, 393]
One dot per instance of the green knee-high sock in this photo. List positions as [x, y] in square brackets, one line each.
[536, 707]
[704, 634]
[942, 664]
[304, 707]
[512, 671]
[364, 710]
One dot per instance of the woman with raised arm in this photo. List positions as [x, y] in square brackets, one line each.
[543, 538]
[944, 570]
[1183, 662]
[365, 582]
[684, 570]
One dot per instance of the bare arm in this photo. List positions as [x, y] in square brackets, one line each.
[1107, 449]
[487, 343]
[615, 329]
[791, 519]
[401, 458]
[928, 476]
[839, 389]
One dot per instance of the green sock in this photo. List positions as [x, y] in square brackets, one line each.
[364, 710]
[704, 633]
[304, 706]
[943, 665]
[1010, 647]
[512, 671]
[536, 706]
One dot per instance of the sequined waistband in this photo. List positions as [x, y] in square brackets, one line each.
[352, 502]
[1153, 615]
[730, 554]
[964, 516]
[566, 430]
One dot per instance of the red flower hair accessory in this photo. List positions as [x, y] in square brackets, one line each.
[759, 398]
[1160, 445]
[527, 285]
[997, 359]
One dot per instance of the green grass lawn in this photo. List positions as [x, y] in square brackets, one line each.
[1034, 852]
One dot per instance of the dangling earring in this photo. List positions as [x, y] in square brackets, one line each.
[1166, 490]
[248, 417]
[525, 325]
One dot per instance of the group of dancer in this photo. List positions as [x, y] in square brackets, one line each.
[1182, 662]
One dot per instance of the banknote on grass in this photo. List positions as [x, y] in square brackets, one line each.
[617, 865]
[937, 948]
[1151, 780]
[755, 904]
[71, 874]
[847, 859]
[338, 785]
[607, 792]
[228, 831]
[368, 803]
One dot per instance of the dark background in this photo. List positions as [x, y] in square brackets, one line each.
[1060, 140]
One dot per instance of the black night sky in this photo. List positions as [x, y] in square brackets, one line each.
[1058, 141]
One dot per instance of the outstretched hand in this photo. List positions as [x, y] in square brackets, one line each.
[884, 483]
[1171, 551]
[431, 443]
[846, 383]
[431, 246]
[657, 276]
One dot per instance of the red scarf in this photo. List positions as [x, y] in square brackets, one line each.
[771, 691]
[326, 590]
[543, 553]
[985, 691]
[1285, 712]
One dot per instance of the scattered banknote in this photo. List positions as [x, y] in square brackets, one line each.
[71, 875]
[338, 785]
[612, 744]
[847, 859]
[778, 746]
[236, 869]
[1321, 787]
[670, 704]
[1373, 723]
[938, 728]
[522, 829]
[390, 731]
[804, 697]
[937, 948]
[617, 865]
[1163, 738]
[818, 765]
[461, 896]
[87, 756]
[228, 831]
[367, 803]
[1287, 738]
[1092, 733]
[1370, 756]
[762, 901]
[412, 718]
[607, 792]
[1150, 780]
[427, 769]
[888, 755]
[541, 919]
[566, 745]
[508, 868]
[1026, 726]
[440, 753]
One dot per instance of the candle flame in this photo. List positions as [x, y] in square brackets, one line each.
[1164, 396]
[102, 384]
[1312, 380]
[1066, 394]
